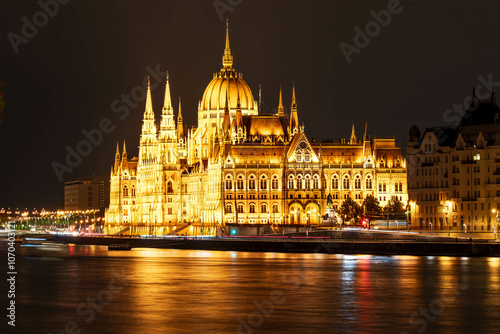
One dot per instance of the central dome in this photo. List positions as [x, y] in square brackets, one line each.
[224, 82]
[228, 82]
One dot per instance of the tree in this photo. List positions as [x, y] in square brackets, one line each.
[350, 209]
[394, 208]
[371, 206]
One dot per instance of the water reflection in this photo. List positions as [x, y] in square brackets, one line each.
[184, 291]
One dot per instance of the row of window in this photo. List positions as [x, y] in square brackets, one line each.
[241, 208]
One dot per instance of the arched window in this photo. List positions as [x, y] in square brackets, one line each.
[205, 152]
[263, 208]
[125, 191]
[368, 182]
[263, 183]
[169, 156]
[239, 183]
[346, 182]
[308, 182]
[229, 208]
[357, 182]
[241, 208]
[252, 207]
[275, 208]
[299, 157]
[251, 183]
[274, 183]
[290, 182]
[229, 183]
[169, 187]
[335, 182]
[299, 182]
[169, 210]
[316, 182]
[307, 157]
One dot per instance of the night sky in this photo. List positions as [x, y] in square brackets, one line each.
[64, 79]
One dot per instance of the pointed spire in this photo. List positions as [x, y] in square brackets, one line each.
[167, 105]
[353, 135]
[294, 118]
[226, 123]
[180, 125]
[124, 154]
[366, 136]
[280, 106]
[117, 158]
[227, 58]
[149, 103]
[238, 115]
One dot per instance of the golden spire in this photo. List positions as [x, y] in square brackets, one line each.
[294, 103]
[149, 104]
[179, 117]
[227, 58]
[117, 155]
[366, 136]
[353, 135]
[180, 125]
[124, 154]
[294, 119]
[280, 106]
[167, 105]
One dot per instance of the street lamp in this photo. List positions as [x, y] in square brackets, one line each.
[431, 227]
[447, 216]
[465, 229]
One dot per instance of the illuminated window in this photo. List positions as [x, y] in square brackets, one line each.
[299, 182]
[251, 183]
[335, 182]
[169, 187]
[229, 184]
[240, 183]
[241, 208]
[275, 208]
[125, 191]
[252, 207]
[346, 182]
[290, 182]
[274, 183]
[368, 182]
[357, 182]
[263, 208]
[229, 208]
[263, 183]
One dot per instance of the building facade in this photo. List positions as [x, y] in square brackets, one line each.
[238, 166]
[87, 193]
[454, 172]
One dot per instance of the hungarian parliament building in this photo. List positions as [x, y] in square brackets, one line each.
[239, 166]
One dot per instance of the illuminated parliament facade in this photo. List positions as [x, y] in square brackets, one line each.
[238, 166]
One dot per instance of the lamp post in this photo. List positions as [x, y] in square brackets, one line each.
[465, 229]
[447, 216]
[431, 227]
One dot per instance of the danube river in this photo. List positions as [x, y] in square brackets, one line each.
[88, 289]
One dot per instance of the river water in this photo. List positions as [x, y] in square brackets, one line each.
[88, 289]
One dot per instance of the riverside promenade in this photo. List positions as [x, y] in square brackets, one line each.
[322, 241]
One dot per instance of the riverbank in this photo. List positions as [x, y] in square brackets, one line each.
[332, 242]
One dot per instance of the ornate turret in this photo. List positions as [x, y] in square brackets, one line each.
[167, 126]
[148, 121]
[366, 136]
[227, 58]
[124, 157]
[226, 122]
[353, 135]
[280, 105]
[117, 158]
[180, 125]
[294, 119]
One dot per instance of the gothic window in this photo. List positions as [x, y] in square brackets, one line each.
[252, 207]
[299, 182]
[290, 182]
[229, 184]
[346, 182]
[274, 183]
[169, 210]
[308, 182]
[368, 182]
[335, 182]
[240, 183]
[299, 157]
[263, 183]
[251, 183]
[307, 157]
[316, 182]
[241, 208]
[357, 182]
[169, 187]
[275, 208]
[263, 208]
[125, 191]
[125, 212]
[229, 208]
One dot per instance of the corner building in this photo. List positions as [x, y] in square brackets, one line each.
[241, 167]
[454, 171]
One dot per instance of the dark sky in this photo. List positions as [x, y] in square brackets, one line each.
[65, 78]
